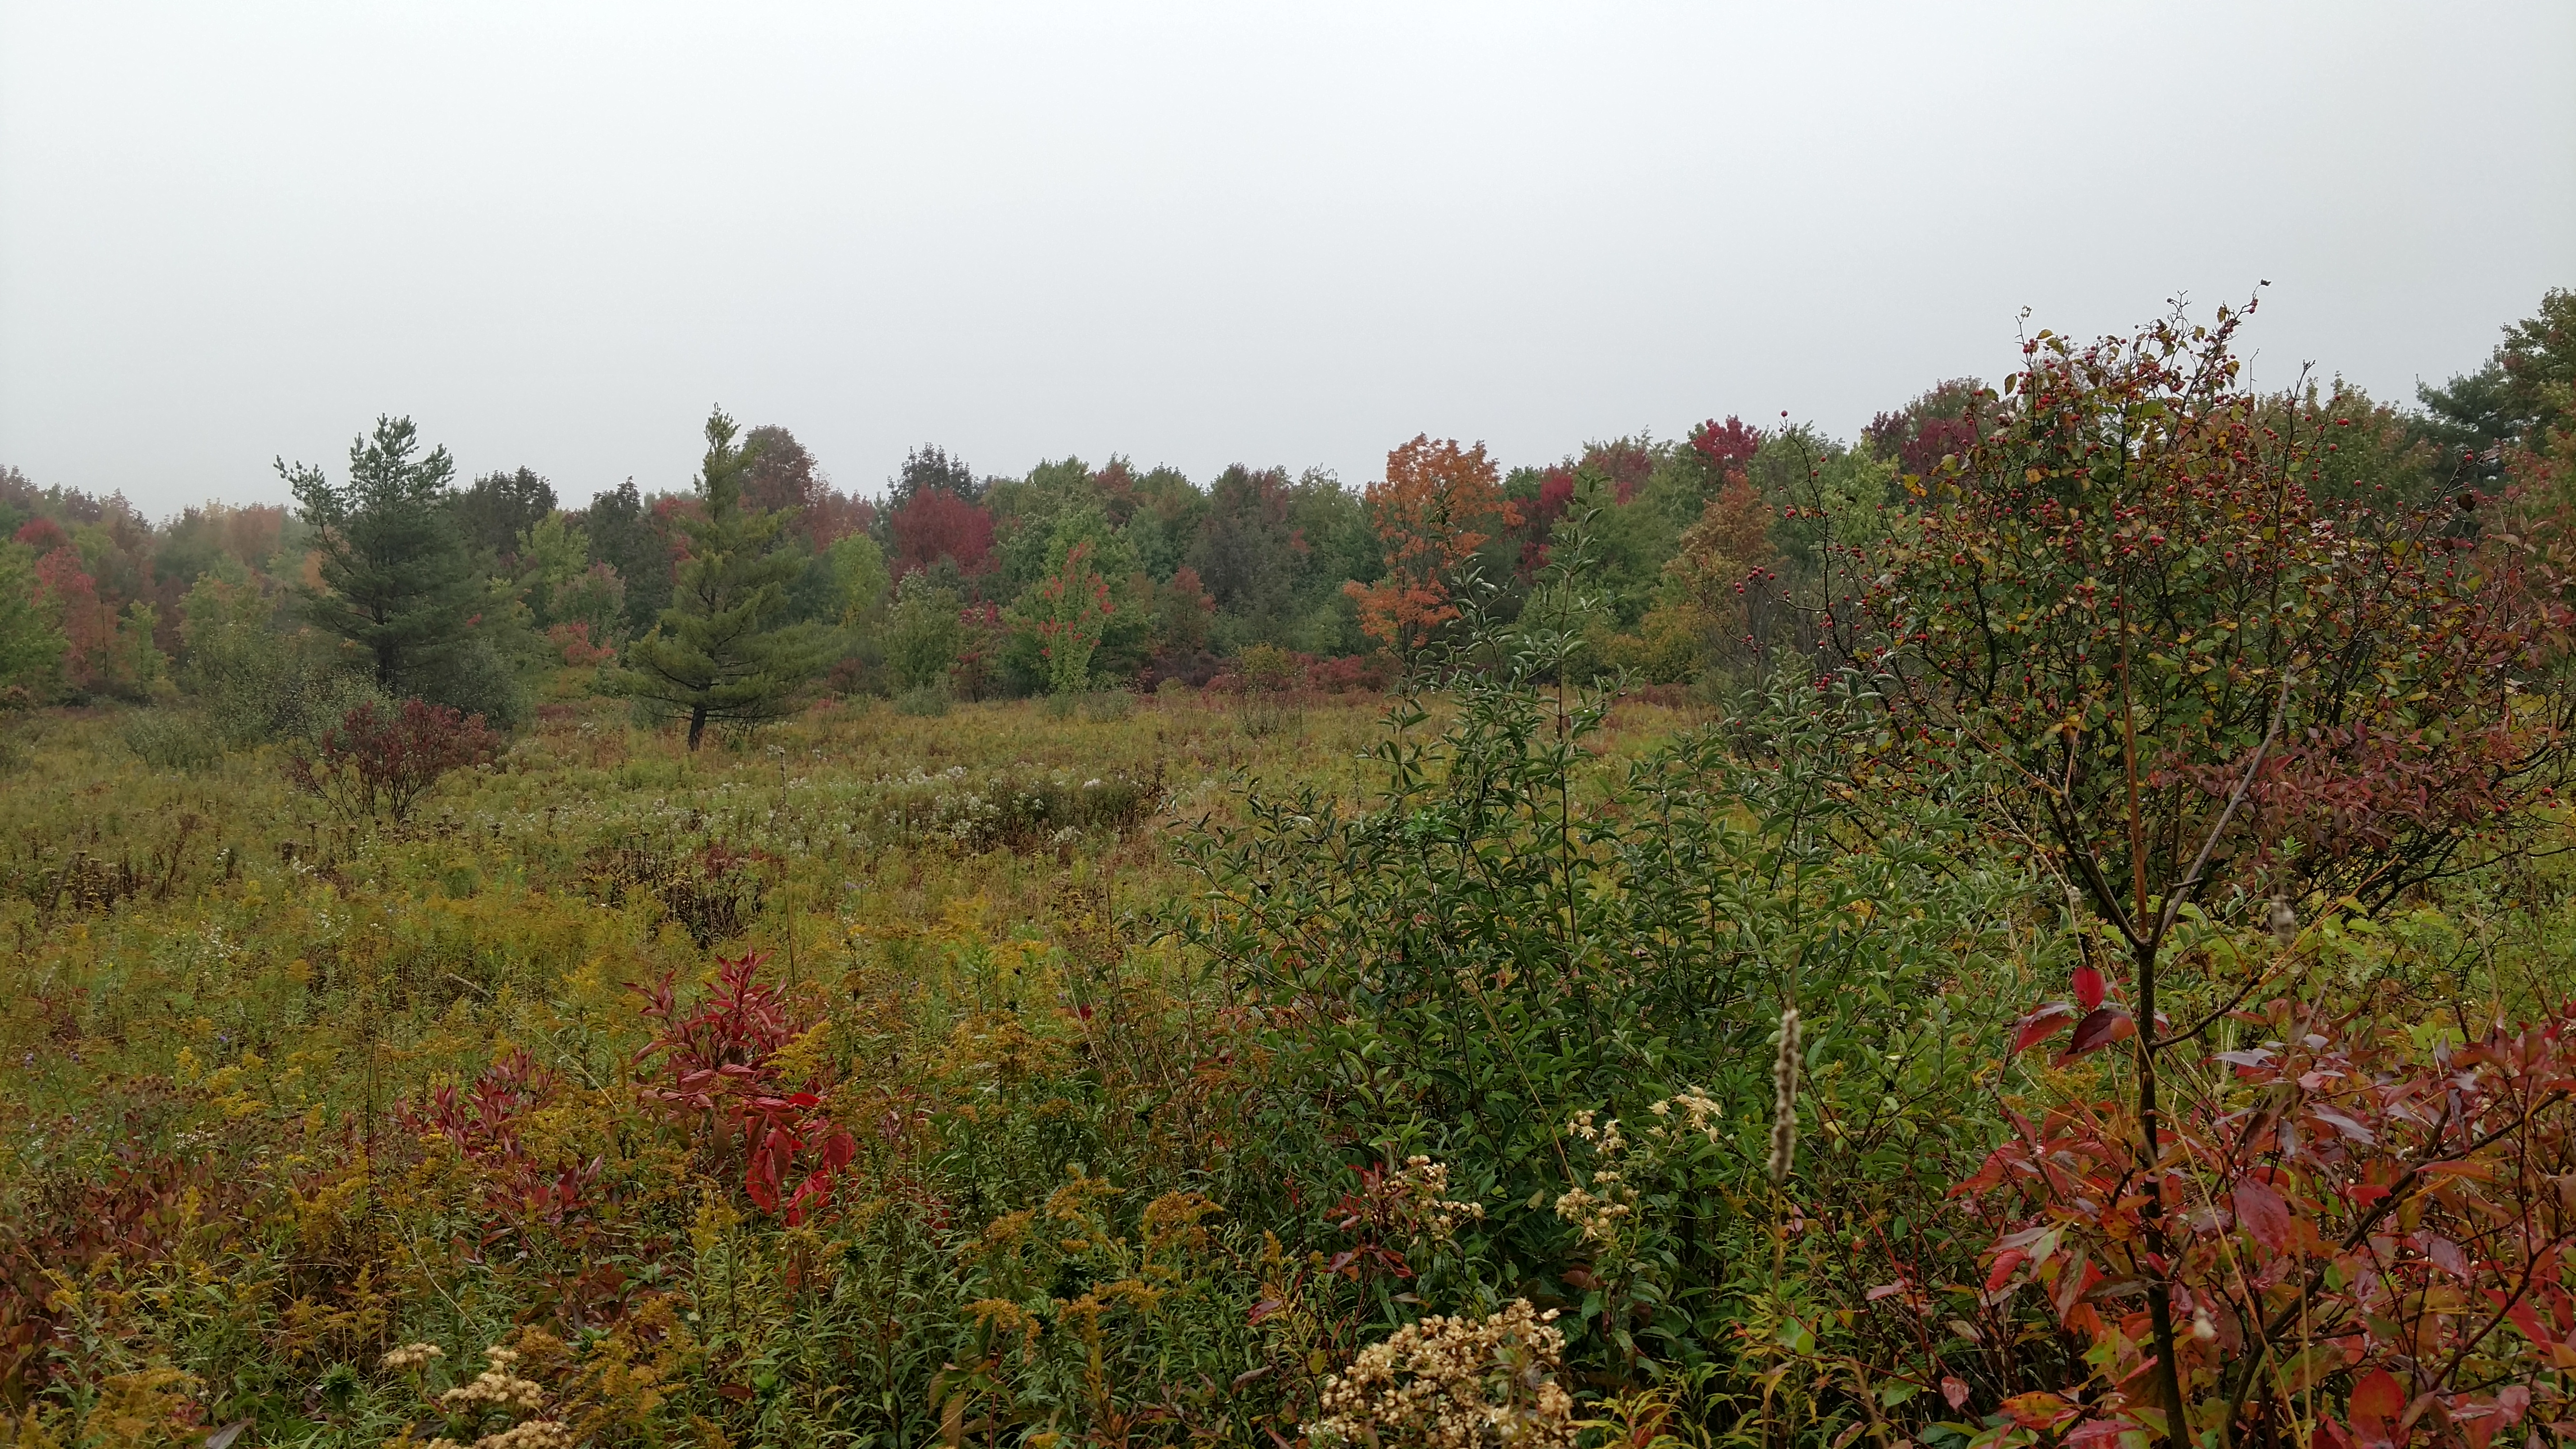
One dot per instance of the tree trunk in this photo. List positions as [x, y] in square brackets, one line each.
[697, 726]
[2160, 1281]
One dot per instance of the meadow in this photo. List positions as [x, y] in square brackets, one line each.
[221, 991]
[301, 1099]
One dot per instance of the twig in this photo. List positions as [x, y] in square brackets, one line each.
[2191, 878]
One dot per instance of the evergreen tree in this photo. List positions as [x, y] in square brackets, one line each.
[397, 580]
[622, 536]
[500, 506]
[725, 649]
[2518, 397]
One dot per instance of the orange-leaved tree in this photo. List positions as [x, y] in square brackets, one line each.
[1723, 569]
[1437, 504]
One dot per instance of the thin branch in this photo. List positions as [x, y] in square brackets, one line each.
[2236, 797]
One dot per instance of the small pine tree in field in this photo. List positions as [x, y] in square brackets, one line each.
[726, 649]
[396, 580]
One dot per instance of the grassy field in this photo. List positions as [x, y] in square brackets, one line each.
[1121, 1072]
[290, 1091]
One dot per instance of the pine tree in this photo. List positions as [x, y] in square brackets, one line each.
[397, 580]
[725, 649]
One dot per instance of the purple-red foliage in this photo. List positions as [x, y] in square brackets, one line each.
[2367, 1237]
[378, 759]
[1923, 432]
[719, 1059]
[1726, 446]
[42, 535]
[482, 1122]
[836, 515]
[135, 1210]
[1349, 674]
[935, 524]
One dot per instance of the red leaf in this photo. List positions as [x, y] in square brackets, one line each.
[2376, 1402]
[2042, 1024]
[2446, 1255]
[2101, 1028]
[2520, 1315]
[2513, 1402]
[2088, 988]
[2261, 1213]
[2005, 1262]
[2097, 1432]
[2344, 1125]
[1955, 1391]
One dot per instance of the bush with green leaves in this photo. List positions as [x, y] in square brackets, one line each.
[254, 681]
[1522, 942]
[172, 739]
[927, 701]
[921, 634]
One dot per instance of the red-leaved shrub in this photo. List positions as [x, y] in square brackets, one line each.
[726, 1074]
[483, 1121]
[383, 760]
[2369, 1240]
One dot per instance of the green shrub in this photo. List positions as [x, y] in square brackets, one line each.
[927, 701]
[1519, 943]
[1263, 715]
[254, 681]
[479, 679]
[172, 739]
[1020, 812]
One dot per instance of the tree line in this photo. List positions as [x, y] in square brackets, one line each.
[736, 598]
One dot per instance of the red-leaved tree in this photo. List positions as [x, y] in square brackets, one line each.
[935, 524]
[2120, 625]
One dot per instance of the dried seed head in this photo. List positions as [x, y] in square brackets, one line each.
[2283, 921]
[412, 1356]
[1784, 1099]
[1455, 1383]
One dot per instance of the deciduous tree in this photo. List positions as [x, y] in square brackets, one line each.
[1437, 504]
[2124, 627]
[922, 634]
[31, 644]
[1069, 610]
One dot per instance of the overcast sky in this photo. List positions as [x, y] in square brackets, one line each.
[1196, 233]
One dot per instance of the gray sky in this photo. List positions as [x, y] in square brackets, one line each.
[1201, 233]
